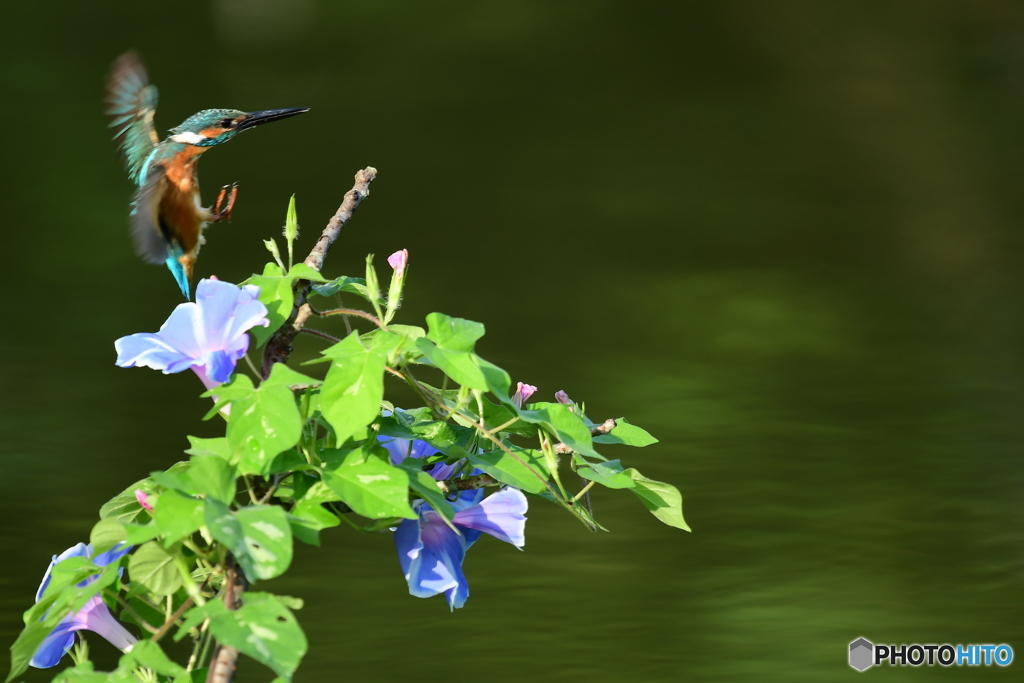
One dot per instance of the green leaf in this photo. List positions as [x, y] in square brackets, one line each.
[137, 534]
[148, 654]
[263, 628]
[259, 537]
[610, 474]
[84, 672]
[150, 615]
[308, 518]
[155, 568]
[105, 535]
[282, 375]
[277, 292]
[561, 422]
[663, 500]
[300, 271]
[626, 433]
[408, 331]
[497, 379]
[461, 366]
[124, 507]
[425, 485]
[354, 387]
[496, 415]
[371, 487]
[453, 334]
[212, 476]
[513, 472]
[218, 446]
[289, 461]
[353, 285]
[263, 423]
[277, 295]
[178, 515]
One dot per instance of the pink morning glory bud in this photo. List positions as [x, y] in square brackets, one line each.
[143, 499]
[399, 260]
[562, 397]
[523, 392]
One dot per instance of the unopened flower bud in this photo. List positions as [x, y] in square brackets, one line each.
[143, 499]
[398, 261]
[523, 392]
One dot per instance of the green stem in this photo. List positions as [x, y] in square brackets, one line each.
[583, 491]
[353, 311]
[186, 578]
[483, 431]
[128, 608]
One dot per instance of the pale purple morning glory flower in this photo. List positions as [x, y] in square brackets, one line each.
[563, 397]
[431, 552]
[94, 615]
[208, 335]
[523, 393]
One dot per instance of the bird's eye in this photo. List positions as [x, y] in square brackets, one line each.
[228, 123]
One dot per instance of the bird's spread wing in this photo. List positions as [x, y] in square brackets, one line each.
[131, 102]
[149, 239]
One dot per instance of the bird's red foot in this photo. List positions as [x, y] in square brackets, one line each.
[224, 214]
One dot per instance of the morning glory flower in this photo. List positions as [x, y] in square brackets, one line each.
[431, 552]
[400, 449]
[208, 335]
[94, 615]
[523, 393]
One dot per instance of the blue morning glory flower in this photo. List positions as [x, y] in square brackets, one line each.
[431, 552]
[94, 615]
[208, 335]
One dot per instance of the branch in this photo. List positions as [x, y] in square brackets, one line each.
[603, 428]
[279, 346]
[477, 481]
[222, 668]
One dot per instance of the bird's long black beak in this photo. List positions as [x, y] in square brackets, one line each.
[267, 115]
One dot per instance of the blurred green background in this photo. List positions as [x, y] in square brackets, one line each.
[784, 237]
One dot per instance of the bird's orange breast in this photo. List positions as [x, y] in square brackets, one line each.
[180, 212]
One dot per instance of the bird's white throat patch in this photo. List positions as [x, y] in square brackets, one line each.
[188, 137]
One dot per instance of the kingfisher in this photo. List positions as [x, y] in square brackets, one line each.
[167, 216]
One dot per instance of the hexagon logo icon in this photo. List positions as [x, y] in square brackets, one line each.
[862, 654]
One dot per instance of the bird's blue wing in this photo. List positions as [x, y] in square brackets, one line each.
[131, 103]
[147, 234]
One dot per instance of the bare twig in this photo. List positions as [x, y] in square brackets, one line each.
[222, 668]
[167, 625]
[603, 428]
[279, 346]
